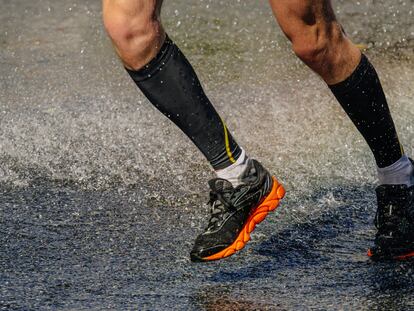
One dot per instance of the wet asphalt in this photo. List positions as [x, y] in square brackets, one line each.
[101, 197]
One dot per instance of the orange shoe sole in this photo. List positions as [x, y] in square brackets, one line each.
[401, 257]
[270, 203]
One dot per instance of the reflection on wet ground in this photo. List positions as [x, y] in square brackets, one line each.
[101, 197]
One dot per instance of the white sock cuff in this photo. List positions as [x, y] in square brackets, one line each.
[400, 172]
[404, 160]
[240, 160]
[234, 172]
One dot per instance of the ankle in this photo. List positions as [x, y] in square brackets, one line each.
[234, 172]
[400, 172]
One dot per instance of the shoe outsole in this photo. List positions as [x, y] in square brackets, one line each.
[269, 204]
[407, 256]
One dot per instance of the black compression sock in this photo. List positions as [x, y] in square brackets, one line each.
[171, 85]
[362, 98]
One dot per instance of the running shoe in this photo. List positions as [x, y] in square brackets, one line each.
[235, 212]
[395, 223]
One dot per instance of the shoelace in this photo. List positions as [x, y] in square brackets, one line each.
[219, 207]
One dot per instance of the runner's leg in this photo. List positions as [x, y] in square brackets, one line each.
[320, 42]
[167, 79]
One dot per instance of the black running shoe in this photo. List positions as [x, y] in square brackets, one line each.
[236, 211]
[395, 223]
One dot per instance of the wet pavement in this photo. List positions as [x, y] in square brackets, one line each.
[101, 197]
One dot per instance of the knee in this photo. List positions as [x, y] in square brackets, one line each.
[137, 35]
[317, 45]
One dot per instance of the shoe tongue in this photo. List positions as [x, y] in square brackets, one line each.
[219, 184]
[249, 174]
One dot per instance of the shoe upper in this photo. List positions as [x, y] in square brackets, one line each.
[230, 208]
[395, 217]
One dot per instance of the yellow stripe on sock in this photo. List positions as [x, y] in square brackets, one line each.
[226, 138]
[401, 146]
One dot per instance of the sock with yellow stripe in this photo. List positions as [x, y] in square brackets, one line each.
[234, 172]
[171, 85]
